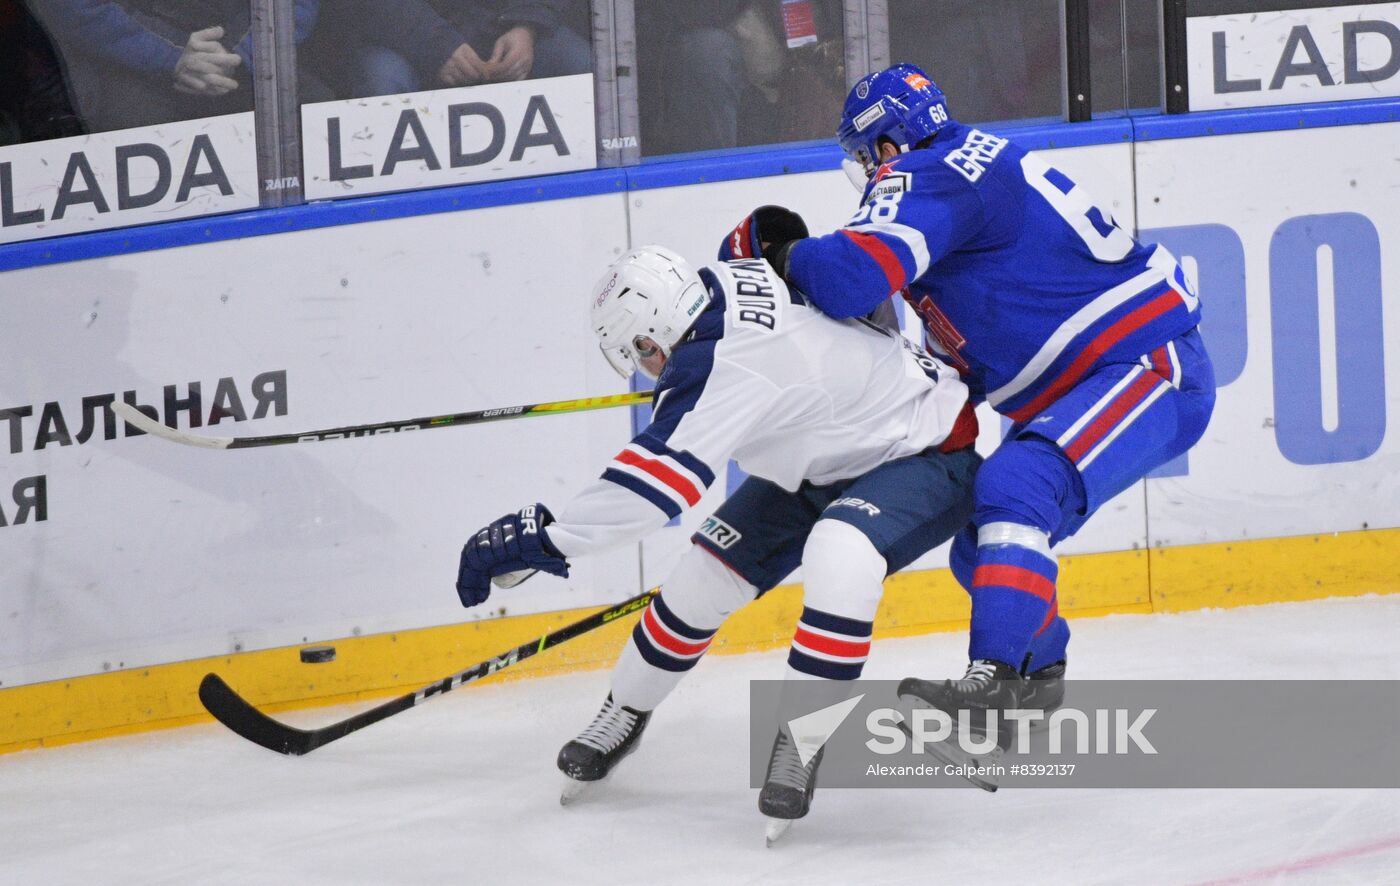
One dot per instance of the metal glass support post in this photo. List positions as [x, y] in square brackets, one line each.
[1175, 98]
[615, 82]
[275, 102]
[1074, 38]
[867, 37]
[877, 30]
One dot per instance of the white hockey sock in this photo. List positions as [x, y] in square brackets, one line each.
[676, 629]
[843, 578]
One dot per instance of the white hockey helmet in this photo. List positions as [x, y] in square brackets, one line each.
[650, 292]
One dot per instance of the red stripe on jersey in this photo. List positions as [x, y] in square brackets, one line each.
[1049, 616]
[1017, 577]
[830, 645]
[1111, 415]
[663, 473]
[1097, 348]
[883, 255]
[964, 432]
[669, 641]
[1162, 364]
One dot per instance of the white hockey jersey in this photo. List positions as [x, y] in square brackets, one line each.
[789, 393]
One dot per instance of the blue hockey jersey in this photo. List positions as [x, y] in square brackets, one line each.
[1023, 282]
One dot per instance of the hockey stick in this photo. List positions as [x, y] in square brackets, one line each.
[140, 420]
[229, 708]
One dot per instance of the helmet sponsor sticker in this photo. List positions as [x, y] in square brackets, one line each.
[699, 302]
[869, 115]
[917, 81]
[605, 292]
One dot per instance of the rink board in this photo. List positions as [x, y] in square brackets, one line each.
[213, 555]
[918, 602]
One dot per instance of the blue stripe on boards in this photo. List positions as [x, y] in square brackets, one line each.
[667, 172]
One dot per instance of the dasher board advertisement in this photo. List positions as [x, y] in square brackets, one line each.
[448, 137]
[1251, 58]
[128, 177]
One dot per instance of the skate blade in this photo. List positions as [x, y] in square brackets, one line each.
[952, 755]
[575, 790]
[776, 828]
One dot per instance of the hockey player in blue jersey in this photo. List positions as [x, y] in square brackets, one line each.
[1085, 338]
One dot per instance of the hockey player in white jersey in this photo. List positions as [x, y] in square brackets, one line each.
[860, 455]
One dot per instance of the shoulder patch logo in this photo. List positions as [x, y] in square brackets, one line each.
[884, 170]
[891, 183]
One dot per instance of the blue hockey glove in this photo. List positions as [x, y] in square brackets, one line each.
[513, 543]
[771, 225]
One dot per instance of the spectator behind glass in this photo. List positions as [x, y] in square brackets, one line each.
[999, 59]
[144, 62]
[375, 47]
[34, 103]
[729, 73]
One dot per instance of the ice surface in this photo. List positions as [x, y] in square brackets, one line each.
[464, 790]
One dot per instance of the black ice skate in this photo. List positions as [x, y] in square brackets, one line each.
[591, 757]
[1044, 690]
[988, 686]
[788, 786]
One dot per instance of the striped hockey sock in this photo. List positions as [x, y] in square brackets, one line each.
[828, 647]
[1013, 601]
[662, 650]
[666, 642]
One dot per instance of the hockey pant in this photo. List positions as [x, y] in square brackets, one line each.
[1052, 473]
[847, 537]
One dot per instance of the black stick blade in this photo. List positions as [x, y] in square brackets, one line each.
[229, 708]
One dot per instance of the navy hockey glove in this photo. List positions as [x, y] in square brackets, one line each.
[774, 226]
[513, 543]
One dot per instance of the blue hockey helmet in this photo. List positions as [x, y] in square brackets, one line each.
[899, 103]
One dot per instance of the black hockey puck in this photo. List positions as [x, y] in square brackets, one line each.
[317, 654]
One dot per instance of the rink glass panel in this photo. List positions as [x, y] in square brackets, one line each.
[995, 59]
[1125, 57]
[733, 74]
[105, 120]
[427, 93]
[367, 48]
[67, 71]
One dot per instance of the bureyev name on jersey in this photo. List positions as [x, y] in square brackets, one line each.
[755, 299]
